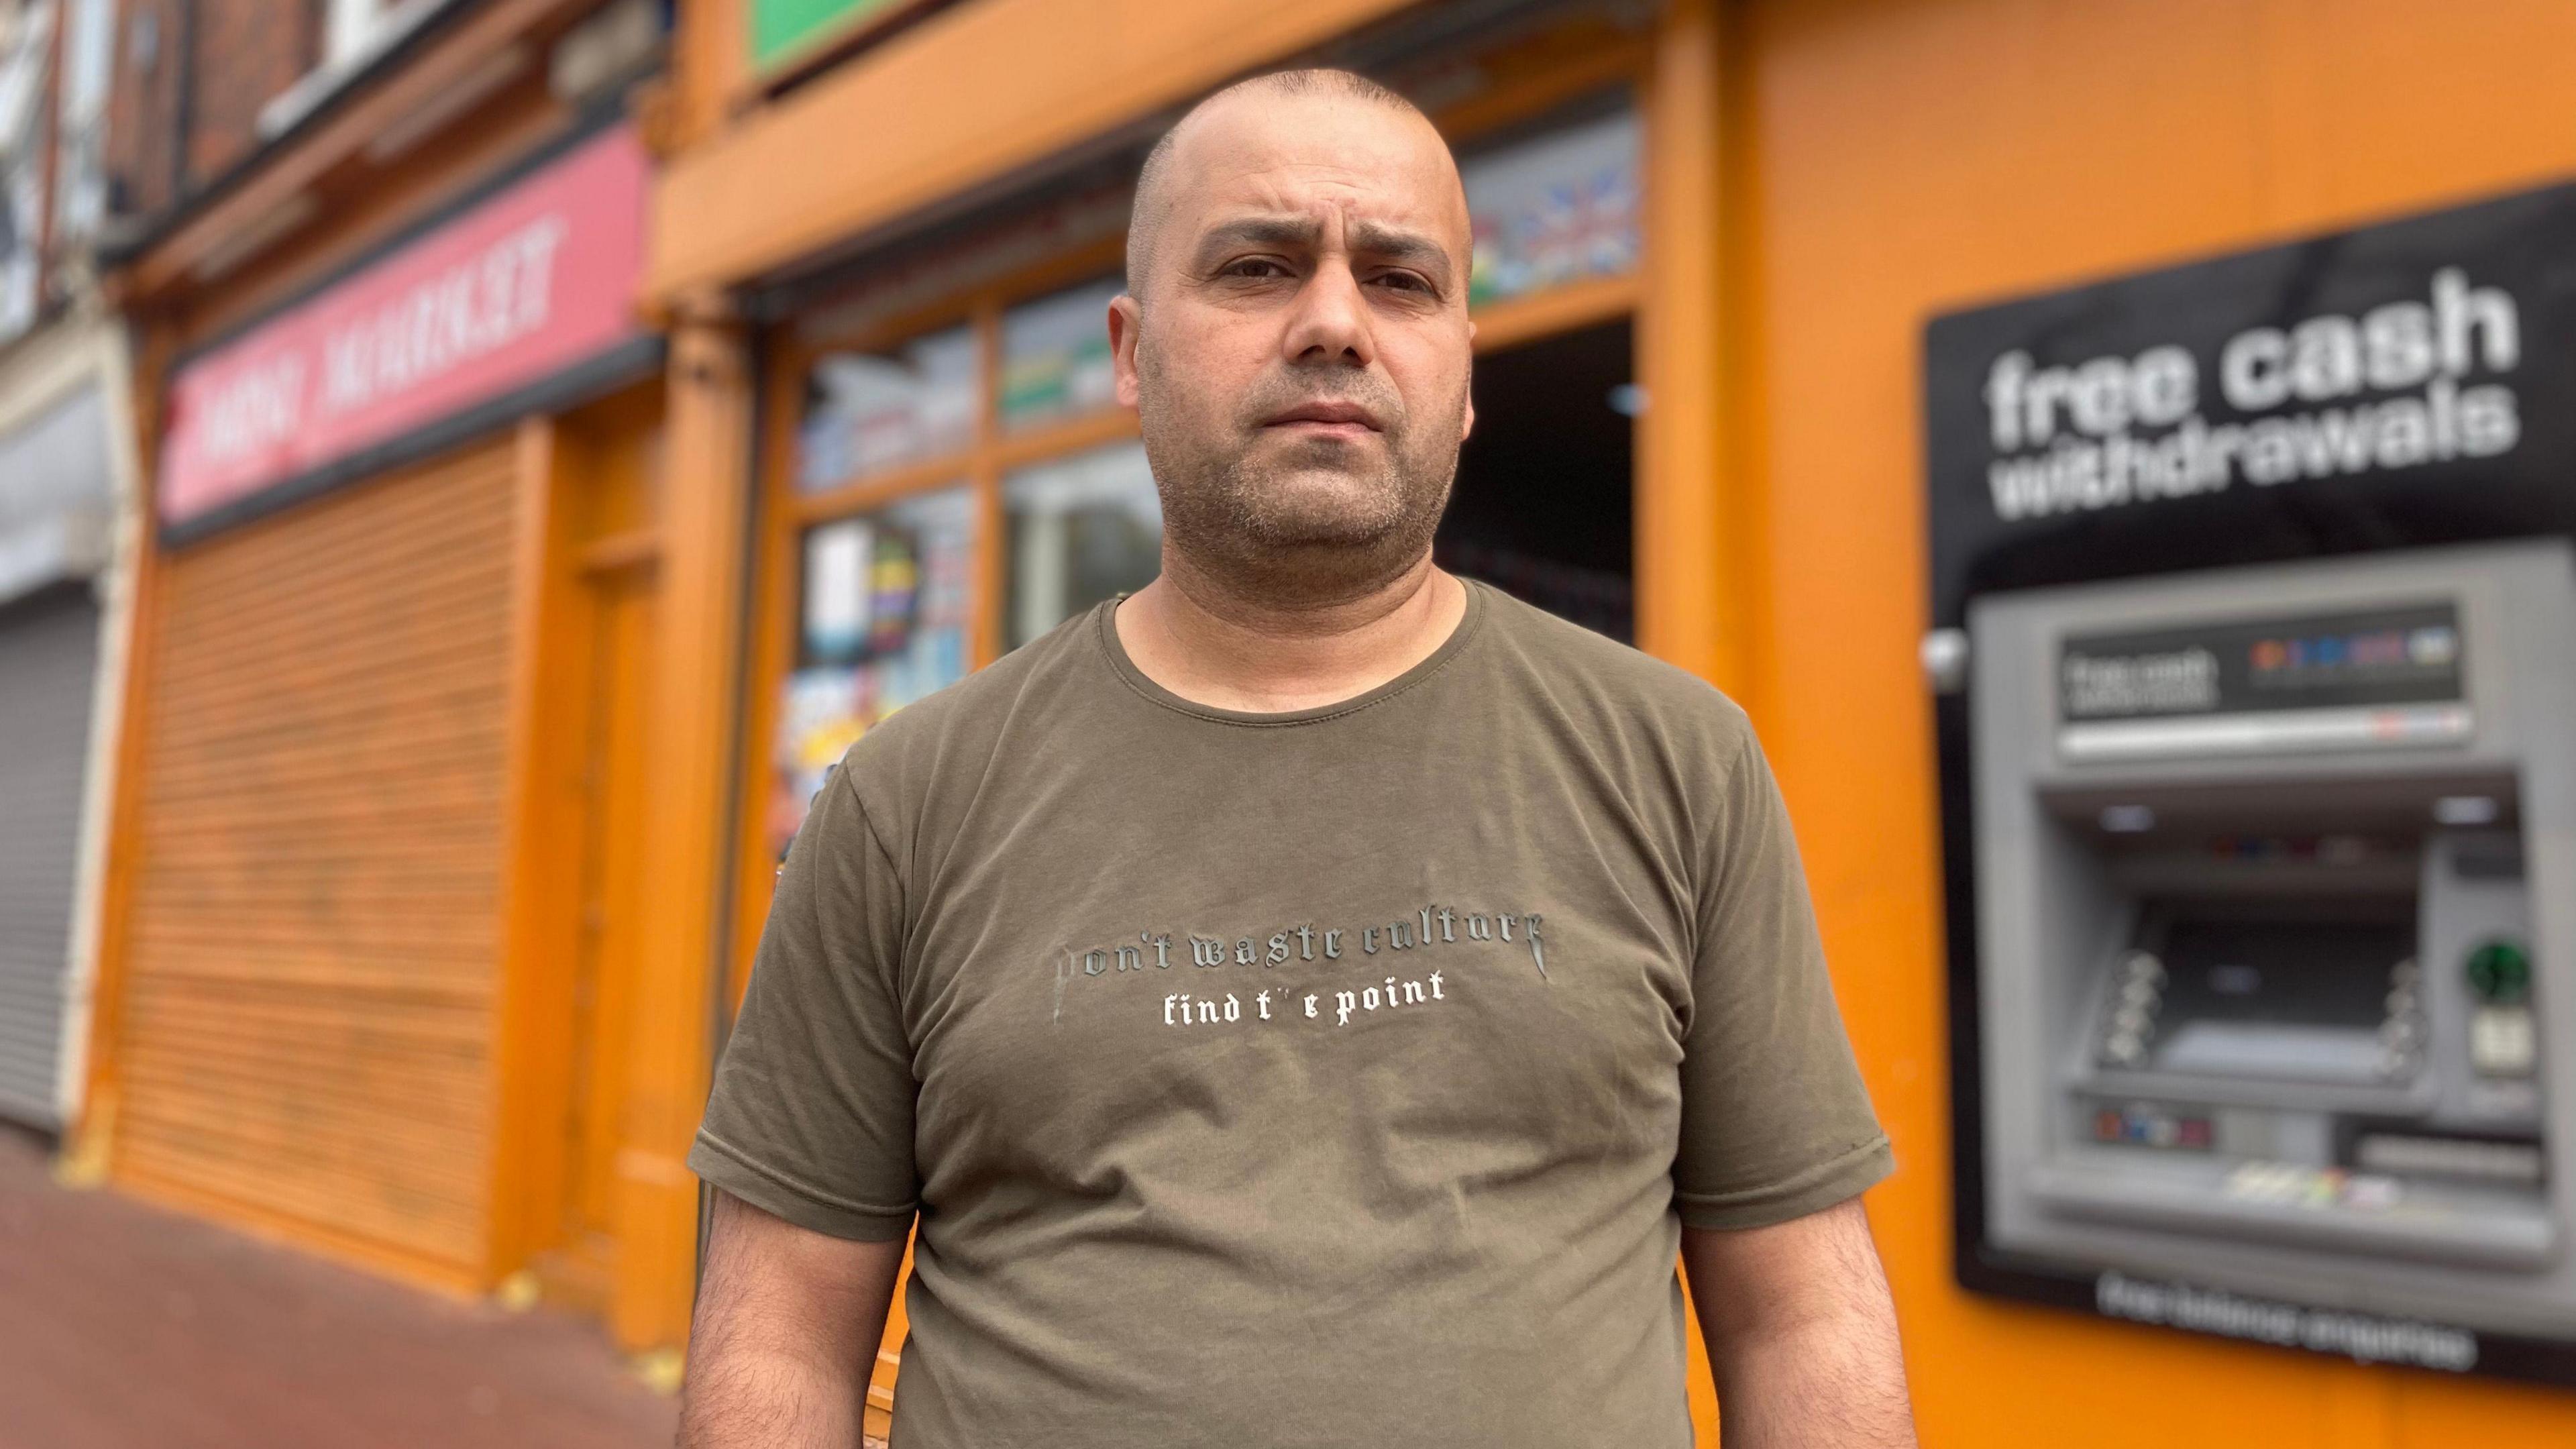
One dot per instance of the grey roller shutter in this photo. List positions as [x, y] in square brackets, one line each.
[48, 655]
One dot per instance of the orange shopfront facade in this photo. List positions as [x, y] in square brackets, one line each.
[1813, 182]
[371, 979]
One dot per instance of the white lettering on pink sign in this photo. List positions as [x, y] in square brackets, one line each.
[449, 320]
[534, 280]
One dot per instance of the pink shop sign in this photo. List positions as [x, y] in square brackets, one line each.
[535, 279]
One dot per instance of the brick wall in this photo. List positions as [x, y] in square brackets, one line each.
[141, 103]
[191, 77]
[247, 51]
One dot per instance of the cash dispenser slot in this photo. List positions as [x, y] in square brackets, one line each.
[2263, 992]
[2234, 1006]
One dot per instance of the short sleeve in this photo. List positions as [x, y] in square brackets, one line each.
[811, 1116]
[1776, 1123]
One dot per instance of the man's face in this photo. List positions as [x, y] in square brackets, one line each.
[1299, 354]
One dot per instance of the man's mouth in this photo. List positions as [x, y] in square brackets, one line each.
[1327, 419]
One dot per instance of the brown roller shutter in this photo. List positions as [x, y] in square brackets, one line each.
[306, 1039]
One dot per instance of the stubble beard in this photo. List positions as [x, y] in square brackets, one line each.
[1317, 523]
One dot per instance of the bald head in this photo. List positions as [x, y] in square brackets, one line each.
[1278, 94]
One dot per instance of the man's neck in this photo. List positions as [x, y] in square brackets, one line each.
[1214, 646]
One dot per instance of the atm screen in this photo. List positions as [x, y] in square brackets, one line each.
[2303, 998]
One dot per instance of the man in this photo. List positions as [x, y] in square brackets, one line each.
[1307, 1002]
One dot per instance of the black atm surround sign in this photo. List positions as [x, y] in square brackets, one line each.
[2412, 382]
[2401, 385]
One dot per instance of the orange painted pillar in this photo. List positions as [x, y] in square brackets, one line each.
[1681, 553]
[689, 740]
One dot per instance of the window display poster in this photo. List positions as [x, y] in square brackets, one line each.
[836, 587]
[1055, 356]
[866, 412]
[863, 584]
[1559, 207]
[887, 618]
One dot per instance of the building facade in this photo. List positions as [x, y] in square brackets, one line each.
[1801, 187]
[367, 957]
[376, 875]
[1893, 162]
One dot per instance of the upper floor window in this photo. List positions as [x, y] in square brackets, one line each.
[80, 163]
[350, 26]
[26, 43]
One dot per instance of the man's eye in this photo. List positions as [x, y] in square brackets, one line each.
[1254, 267]
[1401, 281]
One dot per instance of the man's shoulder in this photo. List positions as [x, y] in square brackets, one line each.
[1579, 669]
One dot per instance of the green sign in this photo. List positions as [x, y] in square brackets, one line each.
[782, 30]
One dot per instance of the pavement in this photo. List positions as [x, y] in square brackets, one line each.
[122, 1324]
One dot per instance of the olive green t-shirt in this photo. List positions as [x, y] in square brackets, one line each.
[1341, 1077]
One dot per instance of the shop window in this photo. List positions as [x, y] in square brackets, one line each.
[886, 616]
[1556, 206]
[26, 45]
[868, 411]
[1081, 530]
[353, 28]
[1055, 356]
[80, 159]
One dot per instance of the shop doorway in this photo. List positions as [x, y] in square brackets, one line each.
[1544, 508]
[609, 457]
[621, 607]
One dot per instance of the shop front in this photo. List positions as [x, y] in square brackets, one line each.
[66, 510]
[369, 978]
[2127, 374]
[1773, 201]
[942, 471]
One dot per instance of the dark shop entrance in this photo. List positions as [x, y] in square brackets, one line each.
[1543, 506]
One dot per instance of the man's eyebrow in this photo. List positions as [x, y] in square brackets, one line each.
[1257, 231]
[1374, 239]
[1395, 244]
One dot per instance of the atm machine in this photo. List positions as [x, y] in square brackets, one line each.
[2276, 911]
[2251, 657]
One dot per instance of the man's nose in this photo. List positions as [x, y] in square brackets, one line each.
[1331, 322]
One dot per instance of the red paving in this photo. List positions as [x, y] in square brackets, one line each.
[122, 1324]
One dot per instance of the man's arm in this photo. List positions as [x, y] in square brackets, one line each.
[785, 1335]
[1801, 1333]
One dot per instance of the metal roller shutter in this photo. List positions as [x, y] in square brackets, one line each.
[48, 655]
[314, 933]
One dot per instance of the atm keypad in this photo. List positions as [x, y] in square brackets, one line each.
[2129, 1025]
[2401, 1035]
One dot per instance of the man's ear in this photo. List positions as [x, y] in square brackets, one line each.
[1468, 425]
[1124, 318]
